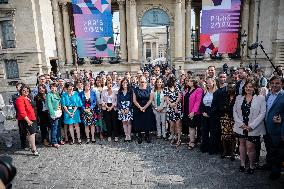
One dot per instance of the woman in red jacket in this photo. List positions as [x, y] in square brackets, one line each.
[26, 116]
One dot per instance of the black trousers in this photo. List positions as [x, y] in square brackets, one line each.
[110, 119]
[211, 135]
[23, 135]
[44, 123]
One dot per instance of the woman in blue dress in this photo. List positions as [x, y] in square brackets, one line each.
[124, 105]
[71, 102]
[143, 116]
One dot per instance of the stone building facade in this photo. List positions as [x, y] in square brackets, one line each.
[36, 34]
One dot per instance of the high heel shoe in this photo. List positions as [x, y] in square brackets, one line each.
[178, 143]
[242, 169]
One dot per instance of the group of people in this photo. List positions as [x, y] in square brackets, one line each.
[221, 112]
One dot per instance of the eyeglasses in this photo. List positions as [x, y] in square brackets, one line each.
[25, 91]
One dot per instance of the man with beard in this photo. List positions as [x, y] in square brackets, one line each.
[243, 76]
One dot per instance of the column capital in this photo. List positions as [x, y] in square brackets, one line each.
[121, 2]
[64, 6]
[178, 1]
[188, 3]
[132, 2]
[246, 1]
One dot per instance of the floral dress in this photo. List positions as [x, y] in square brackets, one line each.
[172, 115]
[88, 117]
[124, 101]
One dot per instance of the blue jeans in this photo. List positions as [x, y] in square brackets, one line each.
[55, 131]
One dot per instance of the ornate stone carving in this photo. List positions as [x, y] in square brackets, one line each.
[141, 14]
[121, 2]
[178, 1]
[132, 2]
[188, 3]
[64, 6]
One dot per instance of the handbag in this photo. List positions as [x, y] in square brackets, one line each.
[58, 113]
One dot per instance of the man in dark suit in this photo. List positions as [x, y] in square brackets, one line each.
[216, 107]
[274, 120]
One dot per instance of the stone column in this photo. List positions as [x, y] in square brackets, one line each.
[122, 21]
[197, 27]
[58, 34]
[245, 23]
[188, 30]
[144, 51]
[152, 51]
[67, 33]
[178, 30]
[157, 49]
[133, 30]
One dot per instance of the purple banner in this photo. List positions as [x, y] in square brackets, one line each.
[220, 24]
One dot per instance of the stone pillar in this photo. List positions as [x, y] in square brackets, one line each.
[122, 21]
[157, 49]
[128, 37]
[144, 51]
[152, 51]
[58, 34]
[245, 24]
[67, 33]
[197, 27]
[178, 30]
[188, 30]
[133, 30]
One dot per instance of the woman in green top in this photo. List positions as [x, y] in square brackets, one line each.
[54, 106]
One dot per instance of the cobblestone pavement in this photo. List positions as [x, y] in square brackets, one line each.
[127, 165]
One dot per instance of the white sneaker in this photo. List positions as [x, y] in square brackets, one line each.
[109, 139]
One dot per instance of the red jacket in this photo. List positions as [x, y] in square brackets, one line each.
[24, 109]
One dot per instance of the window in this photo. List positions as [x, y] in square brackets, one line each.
[12, 69]
[148, 53]
[160, 54]
[4, 1]
[8, 35]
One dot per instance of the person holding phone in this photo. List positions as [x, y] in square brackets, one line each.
[249, 112]
[274, 138]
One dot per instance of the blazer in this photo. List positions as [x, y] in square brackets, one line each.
[256, 116]
[275, 131]
[25, 109]
[163, 103]
[104, 98]
[93, 99]
[53, 101]
[195, 101]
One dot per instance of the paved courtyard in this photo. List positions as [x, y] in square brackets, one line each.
[127, 165]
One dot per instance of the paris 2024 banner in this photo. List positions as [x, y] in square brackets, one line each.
[93, 28]
[220, 24]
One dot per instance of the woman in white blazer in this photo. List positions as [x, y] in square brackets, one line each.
[249, 112]
[160, 108]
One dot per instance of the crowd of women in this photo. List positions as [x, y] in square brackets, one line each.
[221, 112]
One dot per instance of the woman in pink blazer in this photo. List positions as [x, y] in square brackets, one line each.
[191, 109]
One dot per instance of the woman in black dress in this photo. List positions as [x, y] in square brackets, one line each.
[143, 116]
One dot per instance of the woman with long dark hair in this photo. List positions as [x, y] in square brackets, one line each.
[249, 113]
[160, 108]
[26, 116]
[174, 114]
[124, 106]
[227, 122]
[192, 101]
[42, 114]
[88, 98]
